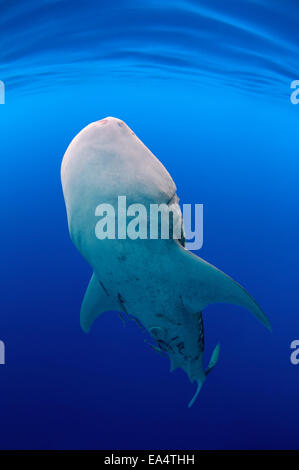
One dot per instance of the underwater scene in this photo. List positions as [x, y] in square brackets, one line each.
[90, 92]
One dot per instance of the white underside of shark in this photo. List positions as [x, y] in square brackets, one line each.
[157, 282]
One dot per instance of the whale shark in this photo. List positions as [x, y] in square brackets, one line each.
[157, 282]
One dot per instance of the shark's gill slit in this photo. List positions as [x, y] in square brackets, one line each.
[104, 288]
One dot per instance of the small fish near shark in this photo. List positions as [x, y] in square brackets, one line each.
[155, 281]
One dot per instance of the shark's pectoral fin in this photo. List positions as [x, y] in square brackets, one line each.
[208, 285]
[96, 301]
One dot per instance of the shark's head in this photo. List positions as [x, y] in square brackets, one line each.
[111, 131]
[114, 125]
[104, 161]
[110, 151]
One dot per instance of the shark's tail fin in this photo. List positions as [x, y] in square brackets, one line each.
[212, 363]
[199, 385]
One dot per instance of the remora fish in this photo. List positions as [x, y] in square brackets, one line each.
[158, 282]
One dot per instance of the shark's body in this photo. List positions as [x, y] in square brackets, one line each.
[162, 285]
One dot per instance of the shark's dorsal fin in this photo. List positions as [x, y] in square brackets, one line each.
[213, 360]
[97, 300]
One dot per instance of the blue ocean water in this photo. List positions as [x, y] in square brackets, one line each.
[206, 86]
